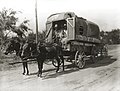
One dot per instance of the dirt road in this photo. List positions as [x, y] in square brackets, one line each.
[101, 76]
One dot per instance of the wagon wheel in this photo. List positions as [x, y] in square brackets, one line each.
[105, 51]
[79, 59]
[55, 63]
[94, 53]
[93, 59]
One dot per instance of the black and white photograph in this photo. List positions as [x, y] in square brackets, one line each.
[59, 45]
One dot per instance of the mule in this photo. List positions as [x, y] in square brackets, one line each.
[48, 51]
[45, 51]
[15, 46]
[29, 51]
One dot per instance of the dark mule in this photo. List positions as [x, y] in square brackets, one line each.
[15, 45]
[24, 54]
[29, 51]
[41, 52]
[48, 51]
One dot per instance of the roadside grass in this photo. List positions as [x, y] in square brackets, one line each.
[6, 59]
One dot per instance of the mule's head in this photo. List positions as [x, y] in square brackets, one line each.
[10, 47]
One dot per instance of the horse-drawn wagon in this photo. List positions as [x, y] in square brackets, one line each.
[79, 38]
[68, 37]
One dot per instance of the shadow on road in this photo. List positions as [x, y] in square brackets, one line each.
[51, 73]
[101, 62]
[68, 69]
[48, 70]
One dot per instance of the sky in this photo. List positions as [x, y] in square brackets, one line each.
[105, 13]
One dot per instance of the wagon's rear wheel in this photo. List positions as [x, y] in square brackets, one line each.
[94, 54]
[93, 59]
[79, 59]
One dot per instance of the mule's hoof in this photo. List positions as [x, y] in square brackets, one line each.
[39, 75]
[27, 74]
[57, 71]
[23, 73]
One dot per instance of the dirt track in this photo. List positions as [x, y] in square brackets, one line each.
[101, 76]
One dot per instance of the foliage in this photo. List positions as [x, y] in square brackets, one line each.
[7, 19]
[8, 22]
[21, 29]
[32, 36]
[111, 37]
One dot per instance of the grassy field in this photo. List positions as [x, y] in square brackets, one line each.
[6, 59]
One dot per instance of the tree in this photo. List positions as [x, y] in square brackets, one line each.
[104, 37]
[32, 36]
[114, 36]
[21, 29]
[111, 37]
[8, 22]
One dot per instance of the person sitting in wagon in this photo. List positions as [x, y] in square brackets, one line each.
[63, 35]
[60, 35]
[56, 35]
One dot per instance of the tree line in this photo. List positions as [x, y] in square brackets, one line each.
[111, 37]
[8, 22]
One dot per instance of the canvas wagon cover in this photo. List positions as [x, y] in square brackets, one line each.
[60, 16]
[90, 29]
[91, 32]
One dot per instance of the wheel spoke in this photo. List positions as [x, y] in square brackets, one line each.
[79, 59]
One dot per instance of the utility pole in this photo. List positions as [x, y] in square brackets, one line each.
[36, 21]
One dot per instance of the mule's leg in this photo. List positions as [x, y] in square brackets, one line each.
[26, 65]
[62, 61]
[23, 68]
[40, 67]
[58, 60]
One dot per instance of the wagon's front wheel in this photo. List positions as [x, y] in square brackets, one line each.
[79, 59]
